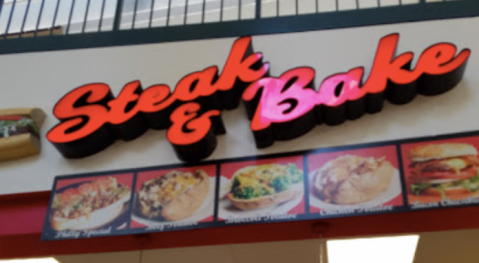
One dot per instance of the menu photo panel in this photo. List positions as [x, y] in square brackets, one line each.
[357, 181]
[262, 190]
[367, 179]
[174, 198]
[442, 173]
[89, 207]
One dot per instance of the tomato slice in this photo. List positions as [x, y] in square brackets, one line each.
[10, 118]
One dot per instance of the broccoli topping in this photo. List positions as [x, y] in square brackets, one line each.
[281, 183]
[251, 192]
[295, 173]
[265, 180]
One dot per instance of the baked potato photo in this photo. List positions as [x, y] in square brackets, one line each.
[264, 186]
[173, 196]
[89, 205]
[350, 180]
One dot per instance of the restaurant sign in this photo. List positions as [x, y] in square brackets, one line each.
[280, 108]
[375, 178]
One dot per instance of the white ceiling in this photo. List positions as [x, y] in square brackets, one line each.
[437, 247]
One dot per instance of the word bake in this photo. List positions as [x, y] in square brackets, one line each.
[280, 108]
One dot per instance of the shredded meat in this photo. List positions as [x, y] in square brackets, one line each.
[156, 193]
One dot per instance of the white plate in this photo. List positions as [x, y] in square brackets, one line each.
[206, 210]
[227, 210]
[391, 192]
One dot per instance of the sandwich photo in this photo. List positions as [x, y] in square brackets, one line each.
[267, 185]
[444, 170]
[88, 205]
[20, 132]
[351, 179]
[173, 196]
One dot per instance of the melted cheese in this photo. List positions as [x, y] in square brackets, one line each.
[175, 186]
[456, 163]
[258, 180]
[245, 181]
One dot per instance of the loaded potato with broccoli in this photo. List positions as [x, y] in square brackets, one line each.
[261, 186]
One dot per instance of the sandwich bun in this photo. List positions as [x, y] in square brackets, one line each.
[440, 151]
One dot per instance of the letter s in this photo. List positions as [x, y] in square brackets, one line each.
[83, 116]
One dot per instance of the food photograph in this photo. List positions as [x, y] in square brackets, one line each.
[352, 179]
[262, 188]
[439, 170]
[177, 195]
[20, 132]
[91, 203]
